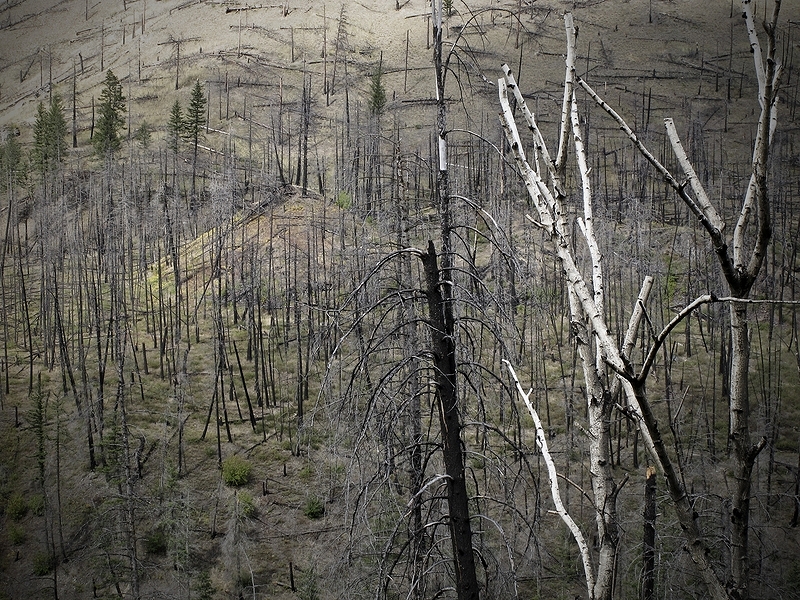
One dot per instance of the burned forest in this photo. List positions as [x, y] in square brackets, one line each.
[413, 300]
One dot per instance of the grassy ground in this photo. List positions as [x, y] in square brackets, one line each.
[654, 59]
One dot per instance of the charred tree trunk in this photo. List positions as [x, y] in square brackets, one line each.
[649, 549]
[444, 352]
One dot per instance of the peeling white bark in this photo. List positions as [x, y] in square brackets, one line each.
[697, 187]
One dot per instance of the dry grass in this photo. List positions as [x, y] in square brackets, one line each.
[679, 65]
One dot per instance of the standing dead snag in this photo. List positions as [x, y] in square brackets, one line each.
[440, 306]
[750, 238]
[740, 268]
[444, 352]
[586, 298]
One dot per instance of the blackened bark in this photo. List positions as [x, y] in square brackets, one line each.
[442, 329]
[649, 550]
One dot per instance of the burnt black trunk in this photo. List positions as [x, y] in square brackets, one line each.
[441, 322]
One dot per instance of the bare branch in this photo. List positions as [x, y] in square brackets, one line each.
[717, 240]
[538, 139]
[636, 317]
[569, 84]
[697, 187]
[755, 47]
[659, 340]
[541, 441]
[768, 74]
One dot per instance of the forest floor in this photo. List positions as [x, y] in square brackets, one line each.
[659, 58]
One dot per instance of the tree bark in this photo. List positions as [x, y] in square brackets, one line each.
[442, 331]
[589, 324]
[649, 542]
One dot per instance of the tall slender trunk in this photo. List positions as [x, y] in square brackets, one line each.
[441, 317]
[649, 545]
[744, 451]
[120, 338]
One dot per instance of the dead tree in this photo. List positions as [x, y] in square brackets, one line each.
[740, 268]
[602, 358]
[176, 43]
[586, 298]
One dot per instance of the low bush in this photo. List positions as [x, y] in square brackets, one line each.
[42, 564]
[314, 508]
[247, 506]
[16, 535]
[306, 473]
[156, 542]
[36, 504]
[17, 507]
[236, 471]
[203, 586]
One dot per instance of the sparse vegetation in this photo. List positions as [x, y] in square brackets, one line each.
[344, 200]
[42, 563]
[254, 274]
[308, 588]
[36, 504]
[203, 587]
[236, 471]
[16, 507]
[247, 505]
[156, 542]
[314, 508]
[16, 534]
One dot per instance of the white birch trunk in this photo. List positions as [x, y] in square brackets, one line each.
[740, 260]
[596, 347]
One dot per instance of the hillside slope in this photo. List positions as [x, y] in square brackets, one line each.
[151, 334]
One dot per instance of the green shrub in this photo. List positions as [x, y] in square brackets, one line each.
[307, 588]
[314, 508]
[478, 463]
[344, 200]
[306, 473]
[42, 564]
[36, 504]
[156, 542]
[245, 580]
[203, 586]
[16, 535]
[247, 506]
[16, 507]
[236, 471]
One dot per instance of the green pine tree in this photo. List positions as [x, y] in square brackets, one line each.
[196, 115]
[377, 93]
[143, 135]
[49, 133]
[195, 121]
[58, 128]
[11, 166]
[176, 127]
[39, 154]
[107, 138]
